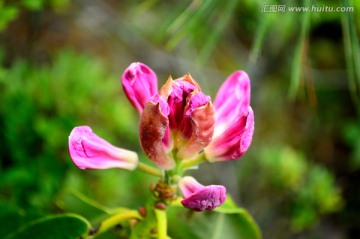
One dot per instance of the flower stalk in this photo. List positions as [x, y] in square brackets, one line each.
[190, 163]
[161, 223]
[149, 170]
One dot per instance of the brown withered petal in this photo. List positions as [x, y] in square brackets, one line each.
[166, 89]
[153, 124]
[187, 77]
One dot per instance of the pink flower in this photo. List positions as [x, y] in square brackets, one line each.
[234, 119]
[89, 151]
[177, 123]
[199, 197]
[139, 83]
[180, 117]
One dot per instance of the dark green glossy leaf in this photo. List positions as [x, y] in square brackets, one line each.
[67, 226]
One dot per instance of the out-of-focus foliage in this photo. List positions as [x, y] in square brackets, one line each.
[10, 11]
[204, 23]
[39, 107]
[186, 21]
[310, 189]
[351, 133]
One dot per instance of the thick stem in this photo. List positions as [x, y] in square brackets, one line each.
[149, 170]
[161, 223]
[186, 164]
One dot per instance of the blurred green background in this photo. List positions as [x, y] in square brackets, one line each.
[61, 62]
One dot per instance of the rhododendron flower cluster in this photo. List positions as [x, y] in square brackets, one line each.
[179, 126]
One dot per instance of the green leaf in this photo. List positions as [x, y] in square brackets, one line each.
[66, 226]
[12, 218]
[247, 225]
[76, 202]
[225, 222]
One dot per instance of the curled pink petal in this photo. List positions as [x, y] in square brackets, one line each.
[89, 151]
[234, 141]
[139, 83]
[234, 119]
[199, 197]
[231, 100]
[198, 126]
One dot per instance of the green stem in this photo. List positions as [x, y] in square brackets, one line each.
[149, 170]
[116, 219]
[161, 223]
[193, 162]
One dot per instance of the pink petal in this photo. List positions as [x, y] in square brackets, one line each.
[177, 100]
[188, 186]
[198, 197]
[198, 126]
[231, 100]
[89, 151]
[139, 83]
[234, 141]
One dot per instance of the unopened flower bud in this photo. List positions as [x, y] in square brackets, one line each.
[139, 83]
